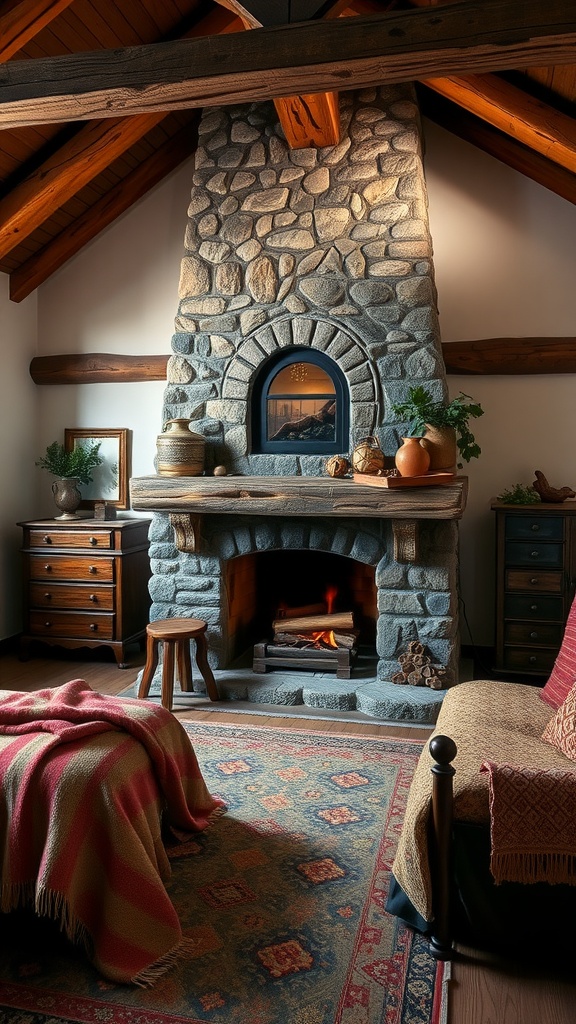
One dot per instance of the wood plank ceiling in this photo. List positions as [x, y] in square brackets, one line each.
[99, 99]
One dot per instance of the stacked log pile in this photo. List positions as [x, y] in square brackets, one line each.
[416, 668]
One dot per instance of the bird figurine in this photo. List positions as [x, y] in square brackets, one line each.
[552, 494]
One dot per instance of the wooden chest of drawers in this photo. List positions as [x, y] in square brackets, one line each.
[86, 583]
[535, 583]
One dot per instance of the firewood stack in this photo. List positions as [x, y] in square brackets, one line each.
[416, 668]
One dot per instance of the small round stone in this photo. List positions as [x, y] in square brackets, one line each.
[220, 471]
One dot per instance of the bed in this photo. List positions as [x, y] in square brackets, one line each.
[90, 787]
[460, 874]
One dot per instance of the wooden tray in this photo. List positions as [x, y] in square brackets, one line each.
[426, 480]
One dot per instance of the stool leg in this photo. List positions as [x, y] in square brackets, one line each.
[205, 670]
[149, 667]
[168, 674]
[184, 666]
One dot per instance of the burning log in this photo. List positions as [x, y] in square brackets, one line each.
[337, 621]
[304, 609]
[306, 639]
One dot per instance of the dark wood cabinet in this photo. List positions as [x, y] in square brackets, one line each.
[86, 583]
[535, 584]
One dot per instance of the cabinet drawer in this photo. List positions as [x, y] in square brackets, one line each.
[43, 567]
[539, 582]
[547, 634]
[71, 539]
[71, 624]
[534, 607]
[518, 553]
[538, 662]
[538, 527]
[67, 595]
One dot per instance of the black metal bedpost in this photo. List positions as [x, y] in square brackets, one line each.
[443, 750]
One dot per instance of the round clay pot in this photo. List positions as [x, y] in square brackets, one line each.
[440, 443]
[411, 458]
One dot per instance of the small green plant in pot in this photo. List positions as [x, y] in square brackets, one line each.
[428, 416]
[70, 467]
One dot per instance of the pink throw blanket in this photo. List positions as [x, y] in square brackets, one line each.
[85, 782]
[532, 824]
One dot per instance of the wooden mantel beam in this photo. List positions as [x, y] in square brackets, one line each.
[473, 36]
[489, 356]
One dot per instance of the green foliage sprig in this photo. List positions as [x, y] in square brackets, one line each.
[519, 494]
[78, 462]
[421, 410]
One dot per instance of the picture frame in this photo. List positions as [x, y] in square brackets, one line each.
[110, 479]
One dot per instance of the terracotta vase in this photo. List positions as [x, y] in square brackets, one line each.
[411, 458]
[180, 452]
[67, 497]
[440, 443]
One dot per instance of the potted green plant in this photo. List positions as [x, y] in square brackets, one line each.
[441, 424]
[70, 467]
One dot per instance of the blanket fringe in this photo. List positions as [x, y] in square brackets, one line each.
[16, 894]
[528, 868]
[149, 976]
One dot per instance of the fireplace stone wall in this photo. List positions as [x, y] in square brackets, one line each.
[322, 248]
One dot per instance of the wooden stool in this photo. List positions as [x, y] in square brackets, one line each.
[175, 635]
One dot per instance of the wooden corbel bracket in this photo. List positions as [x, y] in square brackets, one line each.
[405, 533]
[186, 528]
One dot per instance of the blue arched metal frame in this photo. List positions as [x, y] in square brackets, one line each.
[262, 382]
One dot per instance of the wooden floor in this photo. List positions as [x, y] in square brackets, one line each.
[483, 989]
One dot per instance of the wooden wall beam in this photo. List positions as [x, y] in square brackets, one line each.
[517, 356]
[473, 36]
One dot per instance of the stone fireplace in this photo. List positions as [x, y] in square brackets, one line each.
[305, 265]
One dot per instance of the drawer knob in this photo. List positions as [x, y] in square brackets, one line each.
[47, 539]
[47, 568]
[532, 659]
[534, 580]
[93, 598]
[533, 636]
[47, 596]
[47, 624]
[92, 569]
[535, 527]
[533, 607]
[93, 541]
[534, 554]
[93, 626]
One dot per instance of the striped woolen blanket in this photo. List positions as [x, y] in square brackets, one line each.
[87, 783]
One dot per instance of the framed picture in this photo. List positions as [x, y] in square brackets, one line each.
[110, 479]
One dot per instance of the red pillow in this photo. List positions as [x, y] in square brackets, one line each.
[563, 674]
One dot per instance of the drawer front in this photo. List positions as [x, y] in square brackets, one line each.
[93, 539]
[536, 607]
[538, 662]
[536, 527]
[545, 634]
[42, 567]
[79, 625]
[519, 553]
[67, 595]
[539, 582]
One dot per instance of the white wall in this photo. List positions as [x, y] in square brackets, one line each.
[18, 430]
[505, 260]
[119, 295]
[505, 264]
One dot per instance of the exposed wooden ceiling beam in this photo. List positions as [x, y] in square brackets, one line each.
[39, 267]
[497, 144]
[467, 37]
[520, 115]
[24, 21]
[95, 146]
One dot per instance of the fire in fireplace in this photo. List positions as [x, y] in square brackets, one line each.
[312, 636]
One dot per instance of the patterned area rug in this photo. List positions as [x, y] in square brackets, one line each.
[283, 898]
